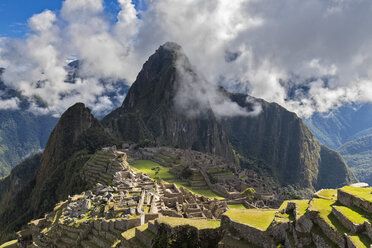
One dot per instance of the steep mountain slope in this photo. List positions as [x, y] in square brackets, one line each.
[149, 111]
[77, 135]
[344, 124]
[276, 139]
[348, 129]
[285, 147]
[21, 132]
[358, 153]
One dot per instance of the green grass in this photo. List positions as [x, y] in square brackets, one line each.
[362, 193]
[281, 215]
[360, 241]
[258, 218]
[236, 206]
[145, 167]
[129, 234]
[9, 244]
[301, 207]
[198, 223]
[355, 215]
[330, 194]
[324, 207]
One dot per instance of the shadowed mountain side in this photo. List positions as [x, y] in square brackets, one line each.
[149, 110]
[286, 146]
[77, 135]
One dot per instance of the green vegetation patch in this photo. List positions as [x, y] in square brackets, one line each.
[258, 218]
[9, 244]
[198, 223]
[281, 215]
[301, 207]
[236, 206]
[143, 227]
[355, 215]
[362, 193]
[129, 234]
[360, 241]
[145, 166]
[330, 194]
[324, 207]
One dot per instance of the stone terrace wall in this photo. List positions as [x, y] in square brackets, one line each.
[329, 232]
[246, 232]
[346, 222]
[350, 200]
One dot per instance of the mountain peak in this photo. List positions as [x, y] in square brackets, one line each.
[155, 82]
[171, 46]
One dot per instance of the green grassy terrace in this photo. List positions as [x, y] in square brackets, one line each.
[301, 207]
[355, 215]
[324, 207]
[10, 244]
[145, 167]
[362, 193]
[360, 241]
[198, 223]
[257, 218]
[238, 206]
[330, 194]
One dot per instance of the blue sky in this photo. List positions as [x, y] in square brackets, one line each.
[15, 13]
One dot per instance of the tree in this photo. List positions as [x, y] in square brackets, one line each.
[249, 193]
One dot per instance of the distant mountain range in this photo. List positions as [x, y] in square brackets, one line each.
[23, 133]
[348, 130]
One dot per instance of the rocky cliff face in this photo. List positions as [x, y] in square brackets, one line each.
[77, 135]
[149, 111]
[286, 147]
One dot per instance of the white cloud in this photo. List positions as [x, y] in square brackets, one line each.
[270, 49]
[42, 22]
[12, 103]
[195, 96]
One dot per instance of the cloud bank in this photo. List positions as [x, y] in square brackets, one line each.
[309, 56]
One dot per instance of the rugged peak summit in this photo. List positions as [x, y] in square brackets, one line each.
[65, 136]
[155, 83]
[150, 110]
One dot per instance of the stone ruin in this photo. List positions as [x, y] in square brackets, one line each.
[213, 172]
[131, 199]
[134, 211]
